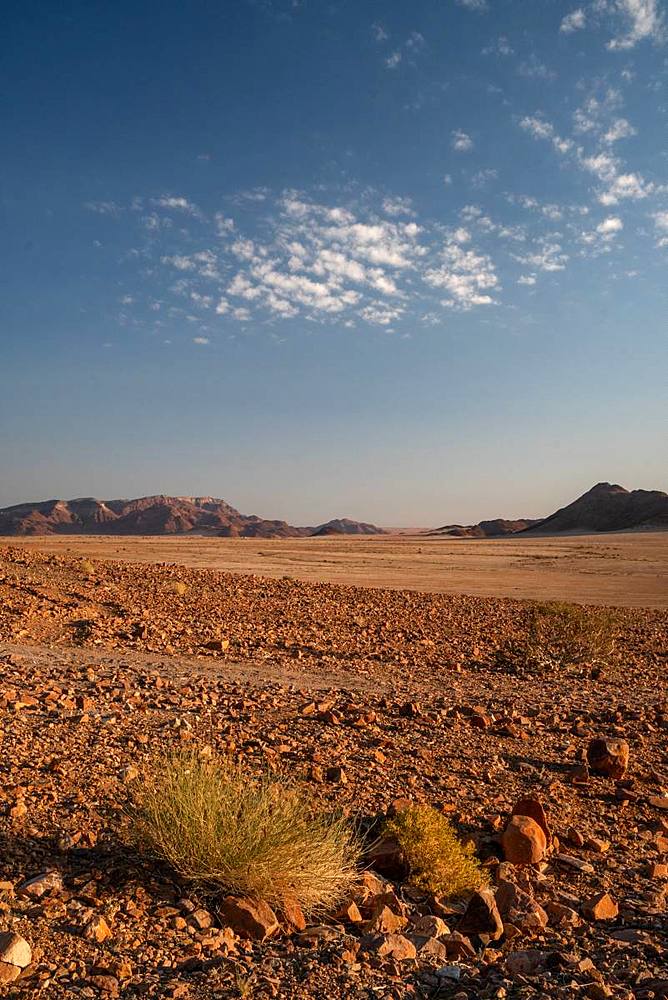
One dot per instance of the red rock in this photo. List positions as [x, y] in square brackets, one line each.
[523, 842]
[384, 921]
[397, 947]
[534, 809]
[41, 885]
[609, 758]
[292, 913]
[482, 917]
[600, 907]
[525, 963]
[249, 918]
[97, 929]
[15, 950]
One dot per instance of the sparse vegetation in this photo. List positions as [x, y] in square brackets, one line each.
[558, 635]
[437, 860]
[86, 567]
[177, 587]
[224, 829]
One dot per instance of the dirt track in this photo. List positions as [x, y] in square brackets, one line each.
[627, 570]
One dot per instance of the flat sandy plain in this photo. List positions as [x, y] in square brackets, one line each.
[622, 569]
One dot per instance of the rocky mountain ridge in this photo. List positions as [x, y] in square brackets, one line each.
[158, 515]
[605, 507]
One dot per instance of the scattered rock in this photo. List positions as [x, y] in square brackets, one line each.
[482, 917]
[249, 918]
[523, 841]
[600, 907]
[609, 758]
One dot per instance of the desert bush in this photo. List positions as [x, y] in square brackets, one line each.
[226, 830]
[437, 860]
[176, 587]
[557, 635]
[87, 568]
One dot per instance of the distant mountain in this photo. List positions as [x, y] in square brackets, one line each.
[607, 507]
[155, 515]
[497, 528]
[344, 526]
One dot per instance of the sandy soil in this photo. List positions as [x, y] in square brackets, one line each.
[625, 569]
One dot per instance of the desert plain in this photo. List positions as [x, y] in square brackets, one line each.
[625, 569]
[365, 670]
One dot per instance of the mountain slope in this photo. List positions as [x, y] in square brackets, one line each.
[154, 515]
[607, 507]
[497, 528]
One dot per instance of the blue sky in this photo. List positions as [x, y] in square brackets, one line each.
[402, 262]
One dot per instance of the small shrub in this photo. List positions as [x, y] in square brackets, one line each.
[226, 830]
[438, 862]
[176, 587]
[557, 636]
[87, 568]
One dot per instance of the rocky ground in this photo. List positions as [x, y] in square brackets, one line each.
[369, 696]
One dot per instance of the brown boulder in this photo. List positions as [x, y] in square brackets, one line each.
[397, 947]
[534, 809]
[384, 921]
[523, 842]
[15, 956]
[600, 907]
[482, 916]
[250, 918]
[609, 758]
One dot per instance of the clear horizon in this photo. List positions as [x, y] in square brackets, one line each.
[405, 264]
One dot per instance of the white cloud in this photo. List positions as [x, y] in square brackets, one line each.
[393, 60]
[178, 204]
[482, 178]
[224, 225]
[661, 224]
[549, 256]
[642, 20]
[539, 128]
[461, 142]
[527, 279]
[610, 226]
[661, 221]
[619, 129]
[480, 5]
[397, 206]
[575, 21]
[379, 33]
[466, 276]
[201, 340]
[626, 186]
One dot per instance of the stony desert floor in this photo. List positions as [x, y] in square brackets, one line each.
[625, 569]
[363, 694]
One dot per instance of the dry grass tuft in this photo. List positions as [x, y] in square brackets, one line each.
[176, 587]
[87, 568]
[437, 860]
[558, 636]
[226, 830]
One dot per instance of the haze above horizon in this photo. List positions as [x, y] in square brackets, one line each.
[403, 263]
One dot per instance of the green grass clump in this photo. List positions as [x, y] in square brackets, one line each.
[226, 830]
[558, 636]
[437, 861]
